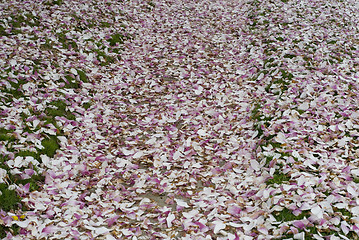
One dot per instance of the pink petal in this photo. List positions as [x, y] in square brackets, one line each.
[49, 229]
[234, 210]
[299, 224]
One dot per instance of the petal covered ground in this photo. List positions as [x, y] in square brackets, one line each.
[180, 119]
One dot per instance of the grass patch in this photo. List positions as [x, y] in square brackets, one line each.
[278, 178]
[66, 42]
[343, 211]
[6, 136]
[105, 24]
[71, 82]
[300, 111]
[50, 145]
[14, 230]
[82, 76]
[152, 4]
[255, 115]
[53, 2]
[287, 215]
[103, 58]
[115, 39]
[309, 231]
[275, 144]
[14, 91]
[47, 46]
[289, 56]
[33, 181]
[268, 160]
[28, 153]
[86, 105]
[58, 108]
[17, 21]
[9, 200]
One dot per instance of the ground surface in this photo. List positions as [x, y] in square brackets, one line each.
[180, 119]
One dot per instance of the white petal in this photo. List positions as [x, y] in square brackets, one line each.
[138, 154]
[333, 127]
[73, 71]
[186, 164]
[341, 205]
[280, 138]
[202, 132]
[18, 161]
[352, 191]
[29, 159]
[355, 172]
[169, 219]
[151, 141]
[35, 123]
[23, 224]
[355, 211]
[355, 219]
[110, 237]
[164, 158]
[157, 162]
[296, 154]
[176, 155]
[345, 227]
[181, 203]
[317, 211]
[127, 152]
[101, 230]
[12, 62]
[304, 106]
[126, 232]
[190, 214]
[199, 90]
[299, 236]
[219, 225]
[188, 142]
[50, 131]
[255, 165]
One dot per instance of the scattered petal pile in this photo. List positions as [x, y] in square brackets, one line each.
[179, 119]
